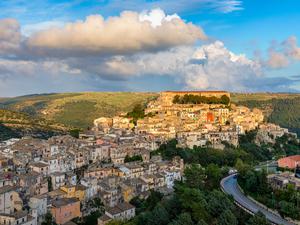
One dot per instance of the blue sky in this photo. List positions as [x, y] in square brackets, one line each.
[243, 45]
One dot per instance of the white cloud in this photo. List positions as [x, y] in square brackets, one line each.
[281, 55]
[136, 45]
[277, 60]
[10, 36]
[29, 68]
[291, 48]
[210, 66]
[130, 32]
[156, 17]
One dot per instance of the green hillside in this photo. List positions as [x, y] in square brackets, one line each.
[16, 124]
[76, 109]
[7, 133]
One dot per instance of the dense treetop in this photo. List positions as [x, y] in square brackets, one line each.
[198, 99]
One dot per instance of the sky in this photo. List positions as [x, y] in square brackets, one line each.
[51, 46]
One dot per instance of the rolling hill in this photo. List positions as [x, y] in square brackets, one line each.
[76, 109]
[16, 124]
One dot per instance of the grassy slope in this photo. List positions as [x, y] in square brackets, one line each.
[16, 124]
[240, 97]
[76, 109]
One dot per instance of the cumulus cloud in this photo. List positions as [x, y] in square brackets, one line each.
[10, 36]
[281, 55]
[291, 48]
[127, 33]
[210, 66]
[121, 49]
[30, 69]
[277, 60]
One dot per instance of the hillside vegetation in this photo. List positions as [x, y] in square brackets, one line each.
[76, 109]
[263, 96]
[16, 124]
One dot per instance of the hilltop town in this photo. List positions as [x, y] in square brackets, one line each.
[109, 165]
[213, 120]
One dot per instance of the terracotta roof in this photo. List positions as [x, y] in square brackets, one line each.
[293, 157]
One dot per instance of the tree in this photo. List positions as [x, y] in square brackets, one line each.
[251, 183]
[92, 219]
[201, 222]
[227, 218]
[193, 200]
[137, 112]
[225, 100]
[133, 158]
[115, 222]
[74, 133]
[159, 216]
[258, 219]
[50, 186]
[197, 99]
[48, 219]
[287, 209]
[183, 219]
[218, 202]
[214, 175]
[176, 99]
[195, 176]
[153, 199]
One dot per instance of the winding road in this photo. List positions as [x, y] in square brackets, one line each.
[229, 185]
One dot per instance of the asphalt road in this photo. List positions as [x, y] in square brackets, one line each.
[230, 186]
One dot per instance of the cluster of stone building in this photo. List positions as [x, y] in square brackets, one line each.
[269, 132]
[191, 124]
[283, 180]
[63, 174]
[290, 177]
